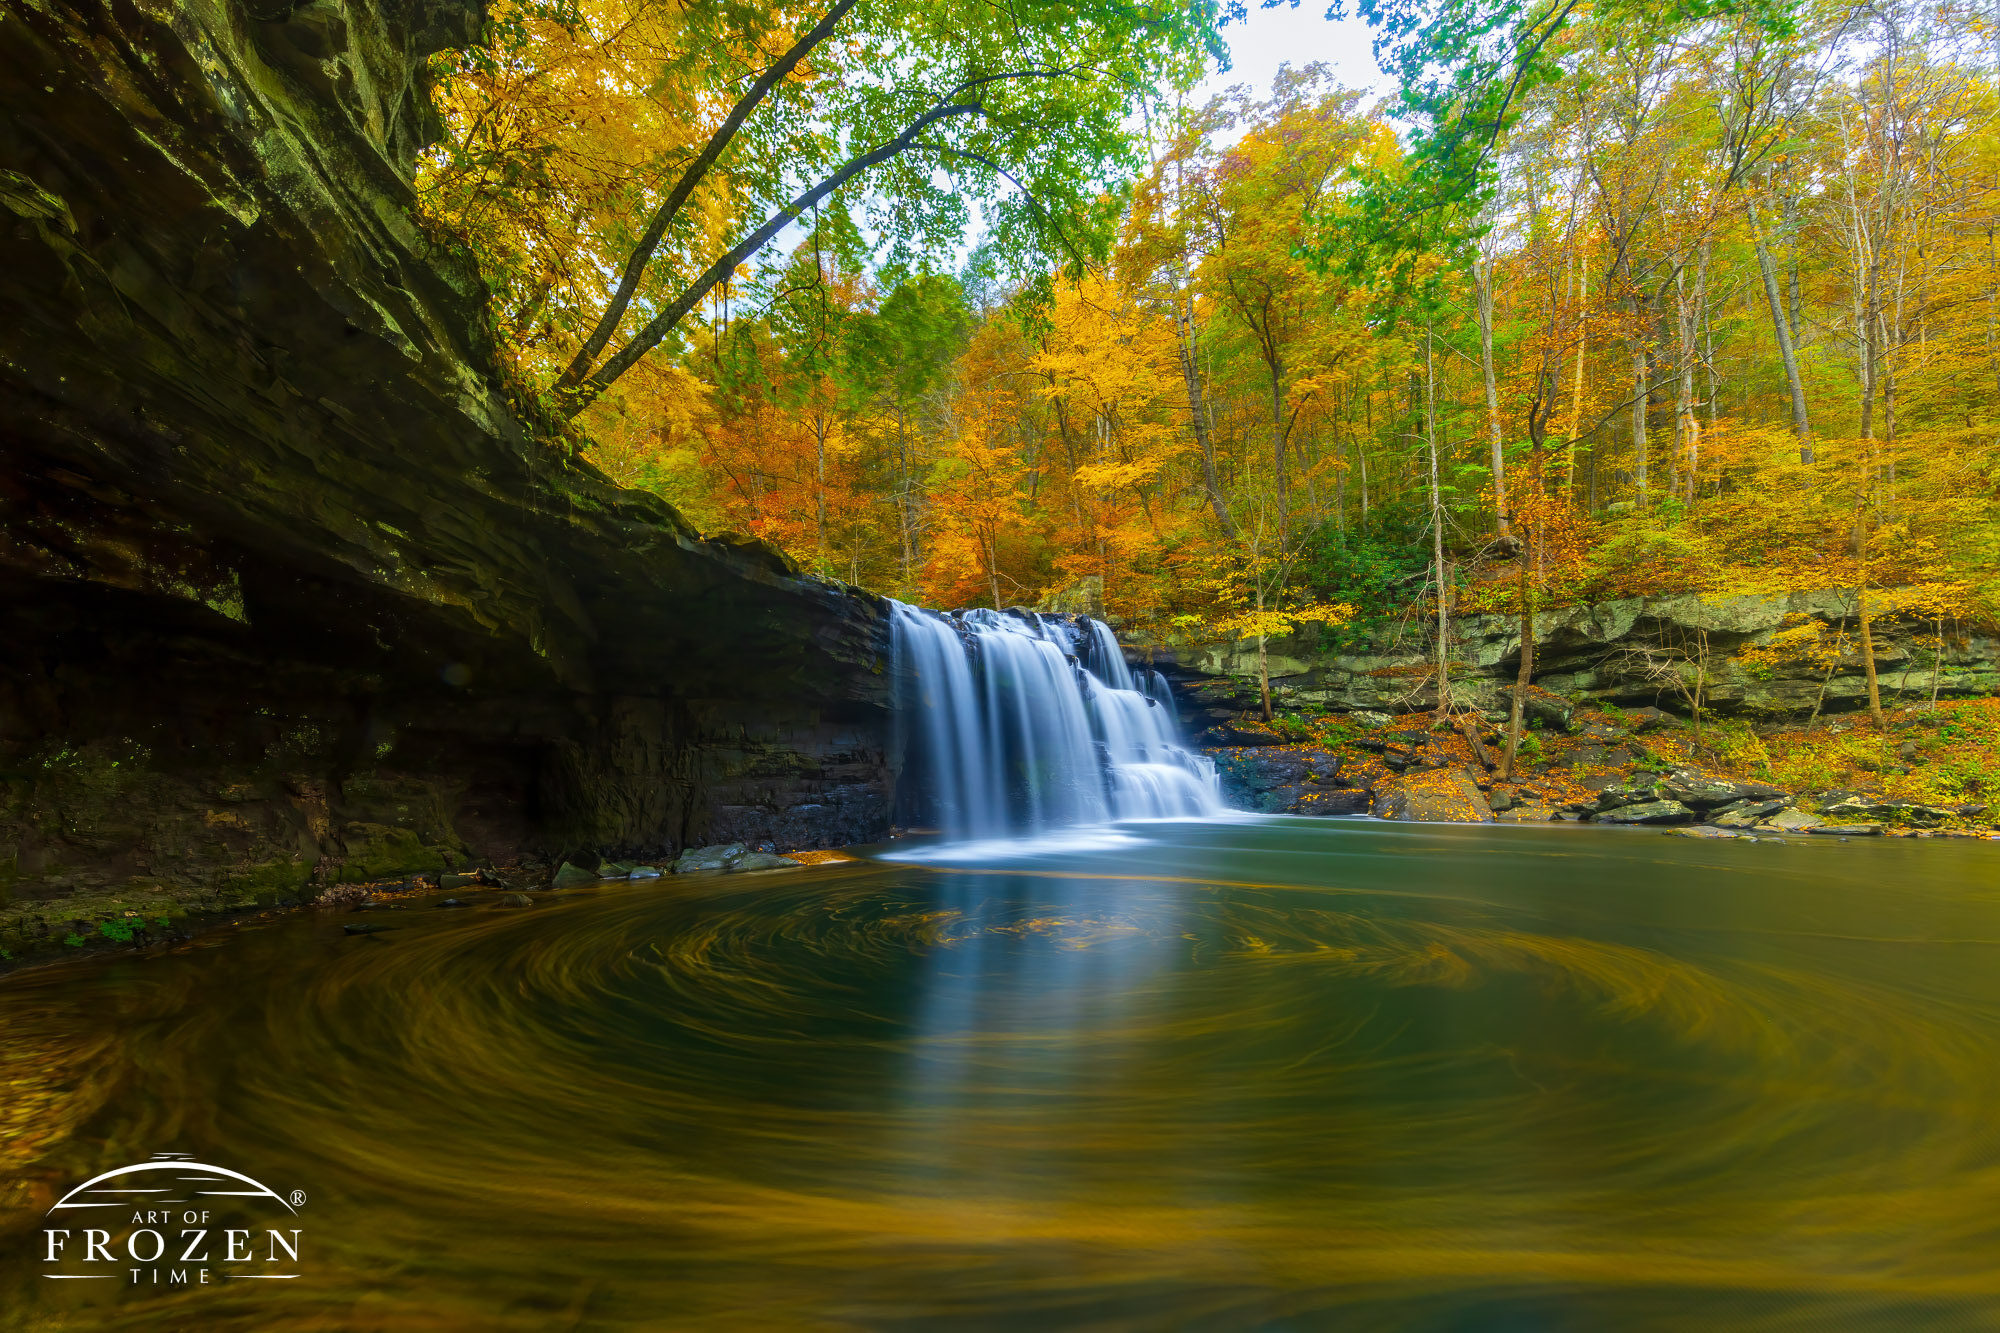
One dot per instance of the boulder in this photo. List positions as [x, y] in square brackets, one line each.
[1246, 733]
[1322, 801]
[1641, 790]
[1552, 711]
[1793, 821]
[569, 875]
[1648, 718]
[1693, 787]
[1849, 830]
[1273, 781]
[1646, 812]
[763, 861]
[719, 857]
[731, 856]
[1437, 796]
[1910, 813]
[1745, 814]
[1524, 814]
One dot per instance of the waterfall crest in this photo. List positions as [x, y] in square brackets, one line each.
[1019, 722]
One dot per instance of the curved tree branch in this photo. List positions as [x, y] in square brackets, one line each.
[998, 170]
[663, 217]
[671, 314]
[580, 395]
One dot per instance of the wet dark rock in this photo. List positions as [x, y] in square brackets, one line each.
[1324, 801]
[513, 900]
[1705, 791]
[1849, 830]
[1598, 756]
[363, 928]
[568, 876]
[281, 572]
[1247, 733]
[1439, 796]
[1908, 813]
[730, 857]
[454, 902]
[1283, 781]
[1551, 710]
[1641, 789]
[1646, 812]
[1648, 718]
[1746, 814]
[764, 861]
[719, 857]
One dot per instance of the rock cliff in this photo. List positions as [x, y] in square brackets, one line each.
[1615, 652]
[288, 594]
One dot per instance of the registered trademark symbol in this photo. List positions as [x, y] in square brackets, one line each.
[298, 1198]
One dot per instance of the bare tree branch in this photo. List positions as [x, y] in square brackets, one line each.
[663, 217]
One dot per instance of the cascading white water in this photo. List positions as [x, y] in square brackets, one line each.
[1019, 722]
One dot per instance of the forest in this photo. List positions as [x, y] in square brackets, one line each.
[973, 306]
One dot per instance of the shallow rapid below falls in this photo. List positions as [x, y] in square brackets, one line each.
[1272, 1073]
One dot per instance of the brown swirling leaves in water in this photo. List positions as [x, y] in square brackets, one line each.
[1173, 1089]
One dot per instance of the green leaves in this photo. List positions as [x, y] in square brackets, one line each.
[573, 128]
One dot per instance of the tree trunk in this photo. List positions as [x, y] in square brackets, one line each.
[1782, 328]
[1868, 649]
[1690, 425]
[1641, 392]
[1438, 567]
[1576, 393]
[1278, 438]
[1197, 409]
[1263, 660]
[1524, 677]
[1501, 520]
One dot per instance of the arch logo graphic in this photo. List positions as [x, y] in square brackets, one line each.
[172, 1223]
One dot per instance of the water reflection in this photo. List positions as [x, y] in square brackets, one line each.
[1269, 1074]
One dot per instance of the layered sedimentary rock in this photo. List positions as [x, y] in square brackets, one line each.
[1620, 651]
[287, 592]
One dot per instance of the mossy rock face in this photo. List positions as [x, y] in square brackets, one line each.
[1587, 652]
[278, 560]
[379, 851]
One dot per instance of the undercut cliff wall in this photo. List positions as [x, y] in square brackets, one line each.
[287, 594]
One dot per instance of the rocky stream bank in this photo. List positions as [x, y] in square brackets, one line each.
[1674, 712]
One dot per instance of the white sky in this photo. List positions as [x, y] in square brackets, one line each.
[1273, 37]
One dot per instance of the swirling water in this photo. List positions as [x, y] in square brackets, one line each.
[1264, 1074]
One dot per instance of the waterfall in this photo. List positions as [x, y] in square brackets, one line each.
[1019, 722]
